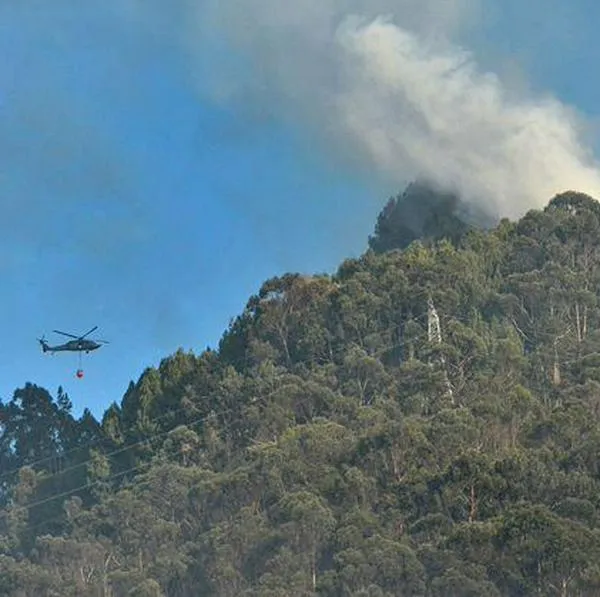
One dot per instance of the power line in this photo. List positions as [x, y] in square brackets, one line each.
[148, 439]
[80, 447]
[114, 475]
[170, 413]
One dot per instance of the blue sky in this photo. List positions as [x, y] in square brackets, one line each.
[133, 201]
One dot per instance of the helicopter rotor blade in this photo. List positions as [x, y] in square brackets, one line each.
[65, 334]
[88, 333]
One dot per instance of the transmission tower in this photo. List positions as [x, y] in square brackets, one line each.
[434, 331]
[434, 334]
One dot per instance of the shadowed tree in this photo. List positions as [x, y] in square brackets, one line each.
[423, 212]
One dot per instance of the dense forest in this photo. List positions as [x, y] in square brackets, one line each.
[424, 422]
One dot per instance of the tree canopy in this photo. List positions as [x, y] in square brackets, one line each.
[424, 422]
[426, 213]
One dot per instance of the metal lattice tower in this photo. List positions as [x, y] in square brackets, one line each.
[434, 334]
[434, 331]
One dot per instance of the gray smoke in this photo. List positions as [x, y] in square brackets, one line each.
[382, 85]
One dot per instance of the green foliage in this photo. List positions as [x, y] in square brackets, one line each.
[331, 446]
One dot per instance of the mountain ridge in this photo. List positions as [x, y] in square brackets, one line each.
[319, 450]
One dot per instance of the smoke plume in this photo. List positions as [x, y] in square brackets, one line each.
[382, 84]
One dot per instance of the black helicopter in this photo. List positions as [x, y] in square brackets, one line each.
[78, 344]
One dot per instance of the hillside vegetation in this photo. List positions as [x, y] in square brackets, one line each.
[335, 444]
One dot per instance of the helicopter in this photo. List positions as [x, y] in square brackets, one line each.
[78, 344]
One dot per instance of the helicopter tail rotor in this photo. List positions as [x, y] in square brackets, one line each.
[43, 344]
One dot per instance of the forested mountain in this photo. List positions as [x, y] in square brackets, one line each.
[422, 423]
